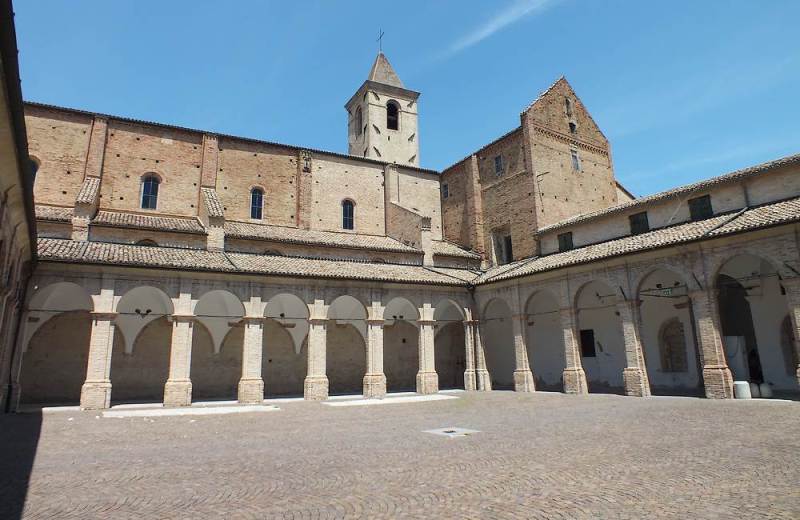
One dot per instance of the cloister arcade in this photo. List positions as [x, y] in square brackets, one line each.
[685, 326]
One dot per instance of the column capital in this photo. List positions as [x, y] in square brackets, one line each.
[253, 319]
[426, 322]
[376, 321]
[108, 316]
[181, 318]
[471, 322]
[317, 321]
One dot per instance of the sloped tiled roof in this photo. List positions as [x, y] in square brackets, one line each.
[59, 250]
[445, 248]
[382, 72]
[734, 176]
[155, 222]
[251, 231]
[88, 191]
[53, 213]
[211, 200]
[759, 217]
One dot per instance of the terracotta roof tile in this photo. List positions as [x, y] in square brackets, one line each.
[156, 222]
[53, 213]
[445, 248]
[248, 230]
[213, 205]
[88, 191]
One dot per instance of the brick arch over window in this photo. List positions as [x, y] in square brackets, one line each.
[672, 346]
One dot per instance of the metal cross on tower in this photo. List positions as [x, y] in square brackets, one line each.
[380, 41]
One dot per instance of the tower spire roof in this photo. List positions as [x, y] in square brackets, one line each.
[382, 72]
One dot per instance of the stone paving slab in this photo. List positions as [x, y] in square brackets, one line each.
[536, 456]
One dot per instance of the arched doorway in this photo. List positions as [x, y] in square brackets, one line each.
[449, 345]
[600, 337]
[498, 342]
[752, 309]
[400, 345]
[55, 344]
[284, 359]
[668, 335]
[545, 341]
[142, 341]
[346, 357]
[217, 340]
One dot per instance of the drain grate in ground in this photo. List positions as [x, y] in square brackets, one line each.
[452, 432]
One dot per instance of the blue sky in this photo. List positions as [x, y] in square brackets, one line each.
[683, 89]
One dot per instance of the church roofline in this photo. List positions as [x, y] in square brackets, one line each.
[382, 87]
[226, 136]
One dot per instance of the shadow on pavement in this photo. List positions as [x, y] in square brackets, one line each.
[19, 438]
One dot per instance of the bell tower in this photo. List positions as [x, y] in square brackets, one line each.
[382, 118]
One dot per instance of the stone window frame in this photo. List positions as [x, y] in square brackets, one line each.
[639, 223]
[352, 217]
[445, 190]
[143, 179]
[700, 208]
[499, 167]
[575, 158]
[565, 242]
[253, 190]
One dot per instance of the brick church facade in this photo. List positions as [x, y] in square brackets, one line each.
[175, 265]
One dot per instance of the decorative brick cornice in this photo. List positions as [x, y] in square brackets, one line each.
[570, 140]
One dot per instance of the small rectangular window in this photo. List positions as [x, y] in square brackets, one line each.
[565, 242]
[639, 223]
[576, 160]
[587, 343]
[498, 165]
[700, 208]
[445, 191]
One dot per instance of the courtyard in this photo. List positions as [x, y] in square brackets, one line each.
[540, 455]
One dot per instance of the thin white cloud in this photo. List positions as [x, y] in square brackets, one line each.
[512, 13]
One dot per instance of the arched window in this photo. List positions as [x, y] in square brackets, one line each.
[147, 242]
[672, 343]
[359, 121]
[256, 203]
[348, 213]
[392, 115]
[150, 192]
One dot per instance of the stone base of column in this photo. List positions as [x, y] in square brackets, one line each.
[315, 388]
[469, 381]
[636, 383]
[718, 382]
[251, 391]
[177, 393]
[96, 395]
[427, 382]
[484, 380]
[575, 381]
[374, 386]
[523, 381]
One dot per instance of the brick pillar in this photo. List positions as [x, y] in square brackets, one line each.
[315, 386]
[375, 379]
[574, 376]
[304, 195]
[792, 287]
[469, 346]
[251, 385]
[484, 381]
[634, 374]
[427, 379]
[93, 167]
[523, 377]
[96, 391]
[717, 377]
[178, 390]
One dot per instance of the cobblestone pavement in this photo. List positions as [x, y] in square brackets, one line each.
[536, 456]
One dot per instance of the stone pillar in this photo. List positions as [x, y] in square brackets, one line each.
[484, 381]
[717, 377]
[469, 346]
[315, 386]
[96, 391]
[375, 379]
[178, 390]
[574, 376]
[427, 379]
[251, 385]
[523, 377]
[792, 288]
[634, 374]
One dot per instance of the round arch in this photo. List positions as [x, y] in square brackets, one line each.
[498, 343]
[400, 344]
[346, 357]
[450, 356]
[136, 309]
[544, 340]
